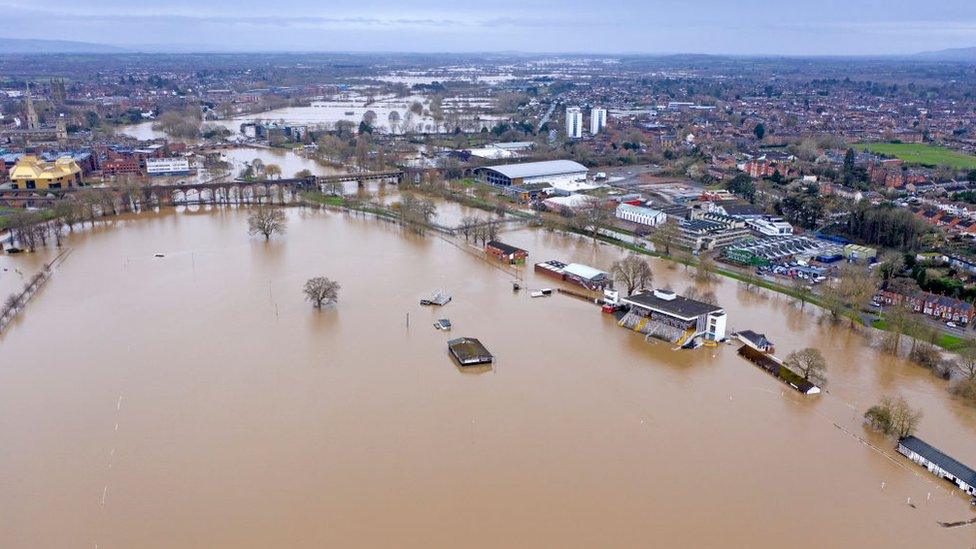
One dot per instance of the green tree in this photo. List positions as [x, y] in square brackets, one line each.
[759, 131]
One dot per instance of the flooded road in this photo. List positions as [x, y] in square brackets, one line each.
[196, 400]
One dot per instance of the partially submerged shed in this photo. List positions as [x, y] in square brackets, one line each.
[468, 351]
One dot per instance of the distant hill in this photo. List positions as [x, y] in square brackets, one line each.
[20, 45]
[966, 55]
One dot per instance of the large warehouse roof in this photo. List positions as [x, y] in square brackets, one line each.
[538, 169]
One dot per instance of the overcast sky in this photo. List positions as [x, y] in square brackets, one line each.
[832, 27]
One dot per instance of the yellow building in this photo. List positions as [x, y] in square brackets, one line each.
[30, 172]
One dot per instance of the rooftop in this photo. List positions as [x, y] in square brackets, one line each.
[677, 306]
[505, 248]
[538, 169]
[469, 351]
[584, 271]
[934, 455]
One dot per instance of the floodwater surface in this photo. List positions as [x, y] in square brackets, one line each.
[196, 400]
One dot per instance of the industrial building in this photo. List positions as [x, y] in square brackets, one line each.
[552, 172]
[641, 215]
[764, 251]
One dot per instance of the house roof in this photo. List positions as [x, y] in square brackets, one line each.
[538, 169]
[584, 271]
[934, 455]
[680, 306]
[759, 340]
[505, 248]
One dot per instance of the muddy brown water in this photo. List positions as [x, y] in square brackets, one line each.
[196, 400]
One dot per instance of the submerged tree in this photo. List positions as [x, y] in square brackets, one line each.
[272, 171]
[321, 291]
[894, 417]
[416, 211]
[809, 363]
[633, 272]
[266, 221]
[706, 269]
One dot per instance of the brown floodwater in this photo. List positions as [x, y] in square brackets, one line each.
[196, 400]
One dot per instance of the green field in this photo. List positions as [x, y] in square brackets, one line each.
[922, 154]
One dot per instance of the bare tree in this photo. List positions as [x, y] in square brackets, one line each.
[801, 291]
[967, 361]
[416, 211]
[12, 303]
[593, 216]
[898, 317]
[467, 225]
[321, 291]
[894, 416]
[394, 121]
[272, 171]
[369, 118]
[809, 363]
[856, 285]
[904, 418]
[633, 272]
[265, 220]
[706, 269]
[666, 235]
[335, 188]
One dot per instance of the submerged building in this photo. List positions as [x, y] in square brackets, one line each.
[938, 463]
[575, 273]
[663, 314]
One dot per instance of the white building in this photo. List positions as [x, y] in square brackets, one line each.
[641, 215]
[553, 172]
[668, 316]
[598, 119]
[938, 463]
[569, 204]
[167, 166]
[770, 226]
[574, 123]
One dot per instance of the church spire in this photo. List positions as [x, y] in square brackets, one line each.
[32, 121]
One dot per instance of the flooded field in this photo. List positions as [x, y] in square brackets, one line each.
[289, 162]
[195, 400]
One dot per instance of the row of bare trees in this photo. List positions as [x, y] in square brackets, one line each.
[16, 301]
[478, 229]
[414, 211]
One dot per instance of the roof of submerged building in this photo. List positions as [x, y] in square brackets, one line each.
[672, 304]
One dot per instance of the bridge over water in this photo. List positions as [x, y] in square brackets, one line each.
[210, 191]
